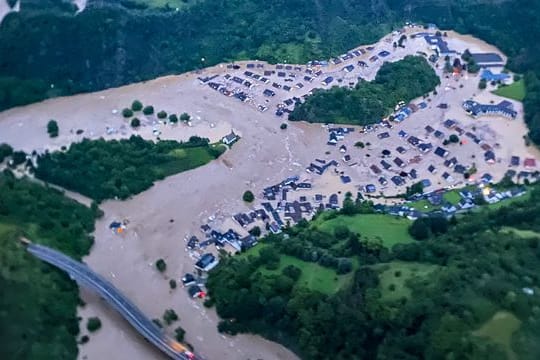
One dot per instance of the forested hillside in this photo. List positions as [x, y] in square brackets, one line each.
[469, 292]
[118, 42]
[38, 319]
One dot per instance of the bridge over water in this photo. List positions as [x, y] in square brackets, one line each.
[84, 276]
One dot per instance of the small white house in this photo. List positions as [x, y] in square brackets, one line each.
[229, 139]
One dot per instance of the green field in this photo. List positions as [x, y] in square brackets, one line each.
[507, 202]
[453, 196]
[514, 91]
[499, 329]
[390, 230]
[314, 276]
[394, 276]
[521, 233]
[188, 158]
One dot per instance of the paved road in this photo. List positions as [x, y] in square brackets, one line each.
[86, 277]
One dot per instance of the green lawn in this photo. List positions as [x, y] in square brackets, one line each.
[422, 205]
[314, 276]
[514, 91]
[187, 159]
[390, 230]
[453, 196]
[499, 329]
[394, 276]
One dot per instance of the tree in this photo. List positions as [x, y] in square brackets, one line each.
[482, 84]
[161, 265]
[162, 114]
[5, 151]
[172, 284]
[93, 324]
[466, 56]
[283, 126]
[148, 110]
[52, 128]
[179, 334]
[255, 231]
[18, 157]
[420, 229]
[453, 138]
[448, 67]
[169, 316]
[248, 196]
[185, 117]
[416, 188]
[136, 105]
[135, 123]
[473, 67]
[127, 113]
[173, 118]
[292, 271]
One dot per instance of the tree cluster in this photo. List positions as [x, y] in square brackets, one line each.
[38, 305]
[103, 169]
[369, 102]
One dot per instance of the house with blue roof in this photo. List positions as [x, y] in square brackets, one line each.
[490, 76]
[438, 44]
[475, 109]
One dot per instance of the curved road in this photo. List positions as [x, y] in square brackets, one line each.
[83, 275]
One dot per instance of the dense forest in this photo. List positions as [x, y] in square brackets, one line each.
[468, 292]
[38, 318]
[369, 102]
[103, 169]
[118, 42]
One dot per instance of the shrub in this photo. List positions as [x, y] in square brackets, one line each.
[161, 265]
[127, 113]
[52, 128]
[135, 123]
[248, 196]
[84, 339]
[359, 144]
[162, 114]
[172, 284]
[93, 324]
[136, 105]
[283, 126]
[482, 84]
[255, 231]
[148, 110]
[453, 138]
